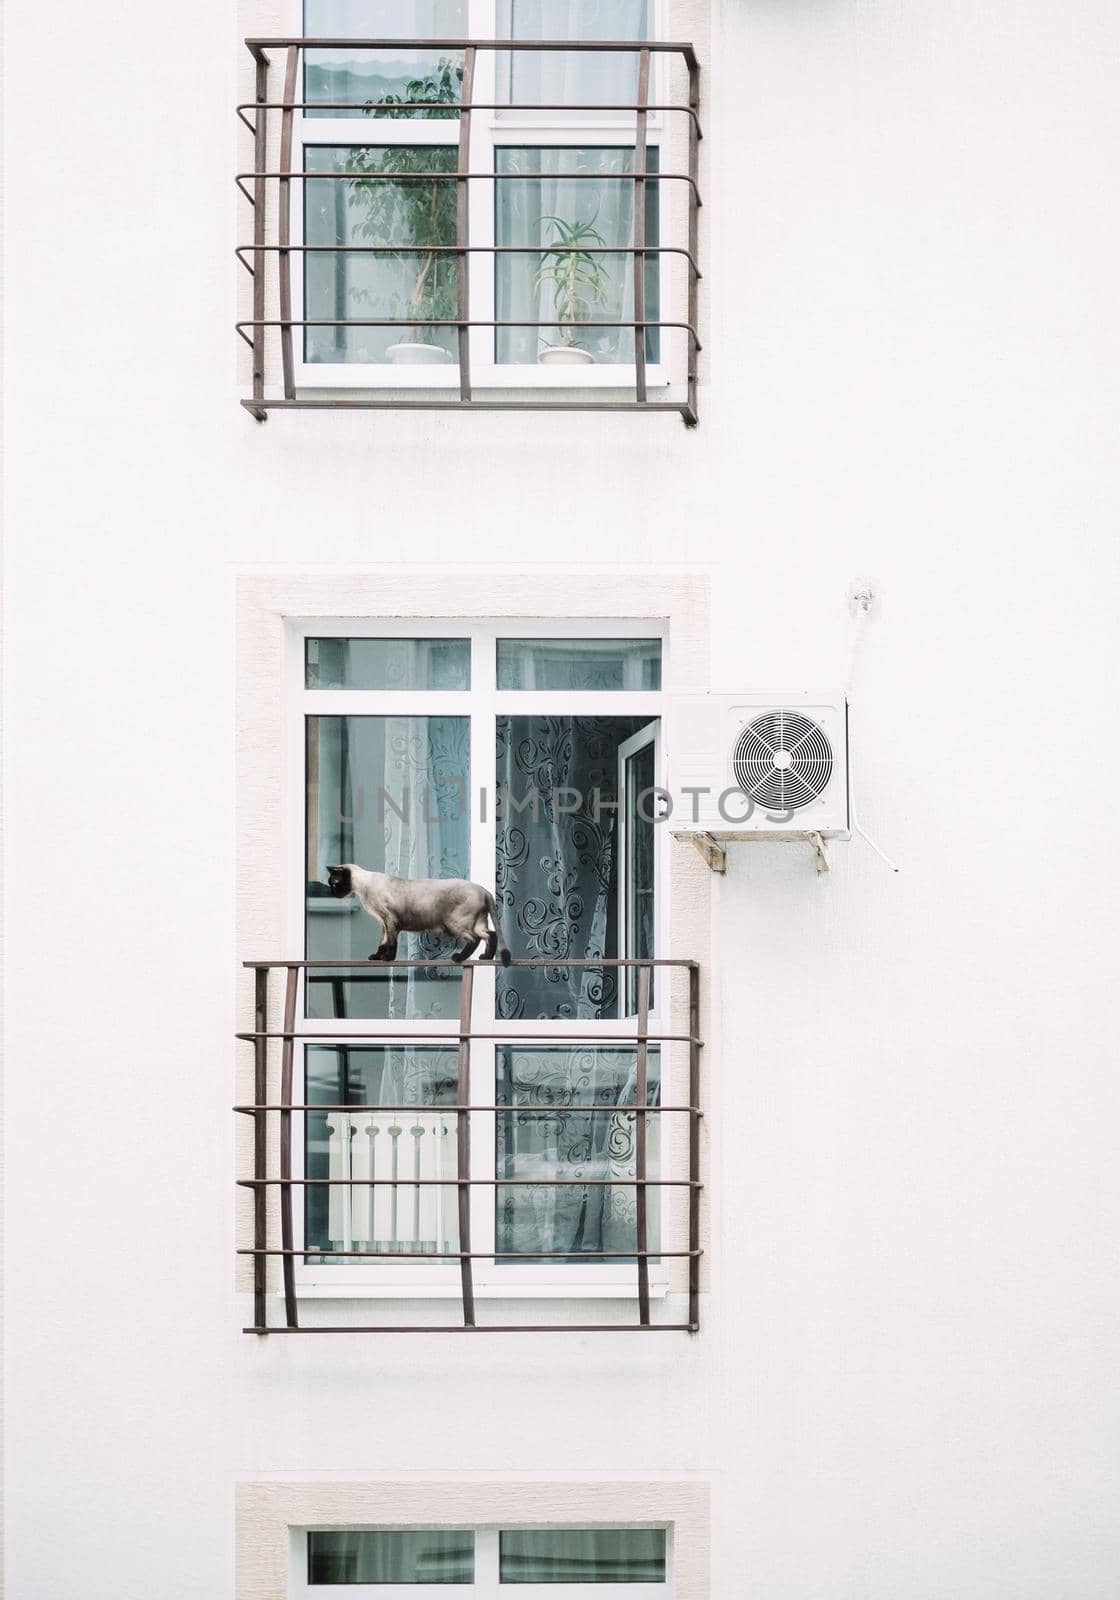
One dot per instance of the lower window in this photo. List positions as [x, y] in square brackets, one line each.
[412, 1562]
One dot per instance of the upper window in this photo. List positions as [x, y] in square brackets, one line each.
[561, 213]
[470, 217]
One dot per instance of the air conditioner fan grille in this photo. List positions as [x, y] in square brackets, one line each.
[782, 760]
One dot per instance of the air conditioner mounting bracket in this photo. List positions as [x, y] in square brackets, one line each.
[713, 846]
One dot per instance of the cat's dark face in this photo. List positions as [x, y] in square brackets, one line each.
[338, 879]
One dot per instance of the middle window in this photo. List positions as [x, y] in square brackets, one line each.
[528, 762]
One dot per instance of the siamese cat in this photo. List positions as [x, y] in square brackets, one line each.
[448, 906]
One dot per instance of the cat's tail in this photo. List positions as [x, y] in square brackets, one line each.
[503, 949]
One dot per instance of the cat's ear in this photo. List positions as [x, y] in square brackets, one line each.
[334, 869]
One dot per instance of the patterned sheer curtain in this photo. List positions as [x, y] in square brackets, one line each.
[555, 1134]
[557, 860]
[389, 793]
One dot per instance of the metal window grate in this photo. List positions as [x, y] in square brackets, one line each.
[279, 1175]
[255, 257]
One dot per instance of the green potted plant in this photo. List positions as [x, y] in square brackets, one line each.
[578, 282]
[424, 214]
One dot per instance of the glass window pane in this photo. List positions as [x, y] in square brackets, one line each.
[581, 77]
[553, 1135]
[579, 664]
[389, 794]
[365, 79]
[574, 222]
[368, 1145]
[414, 285]
[557, 868]
[639, 778]
[388, 663]
[415, 1555]
[583, 1555]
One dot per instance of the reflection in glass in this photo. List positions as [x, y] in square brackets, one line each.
[578, 78]
[583, 1555]
[391, 795]
[388, 663]
[365, 1145]
[579, 664]
[558, 213]
[375, 1555]
[414, 285]
[559, 1138]
[557, 868]
[361, 78]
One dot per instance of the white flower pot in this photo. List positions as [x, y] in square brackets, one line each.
[564, 355]
[414, 353]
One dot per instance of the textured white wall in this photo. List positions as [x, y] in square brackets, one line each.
[906, 1380]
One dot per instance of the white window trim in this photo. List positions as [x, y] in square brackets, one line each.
[489, 131]
[487, 1584]
[483, 702]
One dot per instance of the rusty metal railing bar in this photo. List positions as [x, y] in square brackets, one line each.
[285, 1180]
[462, 226]
[260, 221]
[321, 964]
[475, 1255]
[284, 225]
[257, 46]
[640, 121]
[463, 1144]
[641, 1097]
[393, 114]
[692, 415]
[514, 403]
[694, 1153]
[493, 1327]
[473, 177]
[452, 1107]
[449, 1036]
[491, 1183]
[452, 322]
[242, 250]
[260, 1144]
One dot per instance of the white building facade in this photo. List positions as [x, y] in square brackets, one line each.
[574, 386]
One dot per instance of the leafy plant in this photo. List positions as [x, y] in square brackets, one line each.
[577, 278]
[414, 213]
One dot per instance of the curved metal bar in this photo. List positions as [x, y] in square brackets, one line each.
[478, 1255]
[257, 47]
[641, 1095]
[529, 1111]
[462, 229]
[284, 224]
[474, 105]
[481, 177]
[463, 1147]
[285, 1179]
[640, 122]
[320, 964]
[470, 1183]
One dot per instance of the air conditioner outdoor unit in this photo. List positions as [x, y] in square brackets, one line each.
[759, 766]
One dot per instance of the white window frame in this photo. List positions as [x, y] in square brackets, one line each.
[486, 1585]
[483, 702]
[490, 130]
